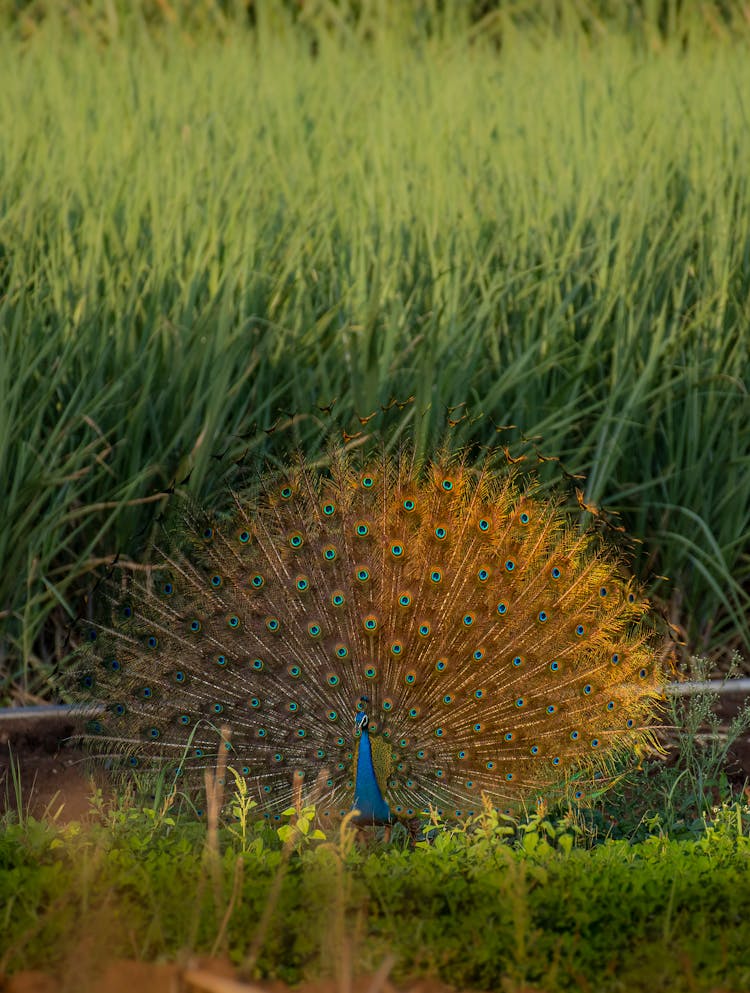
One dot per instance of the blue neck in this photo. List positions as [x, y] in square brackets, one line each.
[368, 799]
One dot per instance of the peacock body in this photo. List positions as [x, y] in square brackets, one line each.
[404, 638]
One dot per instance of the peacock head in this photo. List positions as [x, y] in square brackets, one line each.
[361, 720]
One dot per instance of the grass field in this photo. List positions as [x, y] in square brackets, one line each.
[198, 240]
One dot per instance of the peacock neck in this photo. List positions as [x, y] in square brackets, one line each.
[368, 799]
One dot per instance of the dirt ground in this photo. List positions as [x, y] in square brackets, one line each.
[56, 781]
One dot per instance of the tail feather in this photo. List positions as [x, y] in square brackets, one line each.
[496, 648]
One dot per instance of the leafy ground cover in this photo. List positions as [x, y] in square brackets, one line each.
[648, 888]
[492, 906]
[206, 237]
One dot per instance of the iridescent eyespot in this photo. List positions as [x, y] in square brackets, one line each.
[483, 575]
[551, 709]
[342, 651]
[244, 537]
[447, 485]
[535, 749]
[314, 630]
[484, 525]
[595, 743]
[387, 704]
[294, 671]
[329, 509]
[410, 677]
[285, 492]
[179, 677]
[329, 553]
[424, 630]
[233, 622]
[332, 715]
[338, 599]
[517, 661]
[508, 775]
[362, 530]
[254, 702]
[216, 581]
[371, 622]
[554, 666]
[404, 600]
[184, 719]
[447, 698]
[296, 540]
[154, 732]
[631, 597]
[643, 673]
[542, 615]
[273, 624]
[510, 565]
[440, 533]
[397, 550]
[302, 583]
[439, 732]
[152, 642]
[479, 694]
[208, 534]
[221, 660]
[293, 707]
[167, 589]
[508, 736]
[556, 573]
[468, 620]
[478, 655]
[368, 482]
[435, 576]
[587, 688]
[615, 659]
[363, 575]
[332, 679]
[490, 765]
[195, 626]
[556, 760]
[524, 518]
[396, 648]
[574, 736]
[409, 505]
[257, 664]
[218, 708]
[603, 591]
[413, 712]
[371, 672]
[502, 608]
[580, 629]
[630, 722]
[441, 665]
[520, 701]
[257, 581]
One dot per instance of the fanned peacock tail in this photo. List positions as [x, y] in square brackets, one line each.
[405, 637]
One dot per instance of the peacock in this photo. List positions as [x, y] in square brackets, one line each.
[399, 637]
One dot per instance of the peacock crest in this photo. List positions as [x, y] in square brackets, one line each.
[405, 637]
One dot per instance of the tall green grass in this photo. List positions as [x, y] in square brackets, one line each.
[199, 238]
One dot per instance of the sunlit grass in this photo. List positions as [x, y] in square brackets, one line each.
[197, 239]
